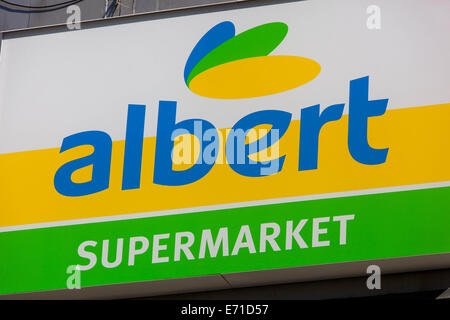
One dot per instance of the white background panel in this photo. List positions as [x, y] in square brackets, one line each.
[56, 84]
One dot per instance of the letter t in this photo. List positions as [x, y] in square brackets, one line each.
[360, 109]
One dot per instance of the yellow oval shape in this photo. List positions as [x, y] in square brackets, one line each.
[254, 77]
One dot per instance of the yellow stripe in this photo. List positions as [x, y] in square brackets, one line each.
[418, 140]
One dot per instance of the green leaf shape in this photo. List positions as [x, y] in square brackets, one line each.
[255, 42]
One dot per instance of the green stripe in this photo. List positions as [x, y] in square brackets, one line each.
[386, 225]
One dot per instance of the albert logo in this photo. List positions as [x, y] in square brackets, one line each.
[223, 65]
[227, 66]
